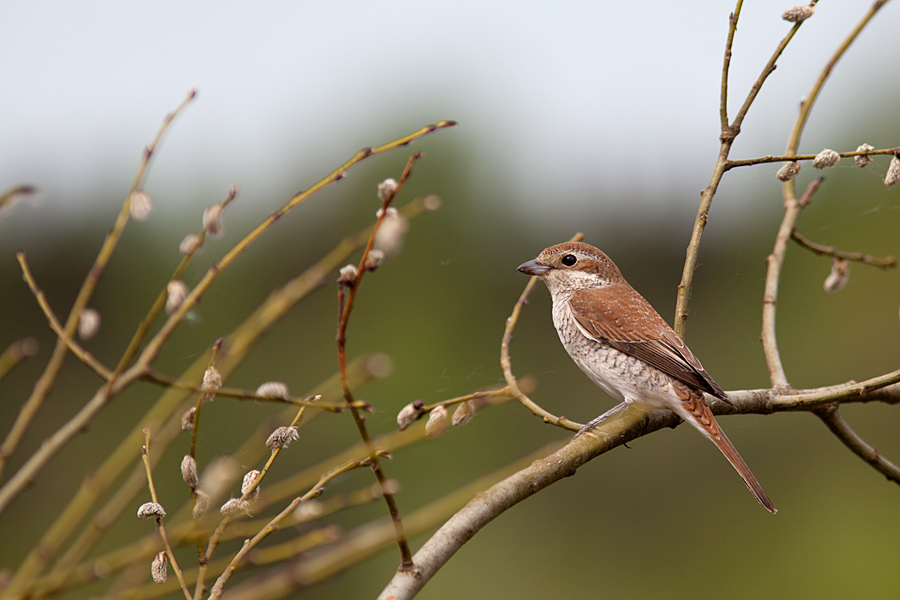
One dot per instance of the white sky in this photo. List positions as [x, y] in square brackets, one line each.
[563, 99]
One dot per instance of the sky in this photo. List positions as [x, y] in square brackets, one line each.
[563, 105]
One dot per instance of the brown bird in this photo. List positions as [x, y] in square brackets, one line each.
[626, 348]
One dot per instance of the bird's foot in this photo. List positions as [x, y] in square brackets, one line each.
[597, 420]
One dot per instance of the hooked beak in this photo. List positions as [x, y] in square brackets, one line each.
[533, 267]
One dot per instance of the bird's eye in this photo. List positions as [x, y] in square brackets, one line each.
[569, 260]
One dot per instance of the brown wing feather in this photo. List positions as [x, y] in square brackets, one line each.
[619, 316]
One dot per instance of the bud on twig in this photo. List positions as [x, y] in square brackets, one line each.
[176, 292]
[212, 219]
[863, 159]
[390, 234]
[282, 437]
[249, 478]
[431, 202]
[798, 14]
[464, 413]
[409, 413]
[386, 189]
[88, 323]
[189, 244]
[438, 421]
[151, 510]
[893, 173]
[201, 504]
[212, 381]
[273, 389]
[235, 507]
[187, 419]
[189, 471]
[347, 275]
[826, 159]
[159, 568]
[840, 273]
[141, 205]
[374, 259]
[788, 171]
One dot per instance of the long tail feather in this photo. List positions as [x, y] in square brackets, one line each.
[697, 413]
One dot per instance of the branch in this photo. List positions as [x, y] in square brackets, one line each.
[83, 355]
[16, 353]
[506, 361]
[888, 262]
[343, 319]
[837, 426]
[774, 262]
[796, 157]
[726, 137]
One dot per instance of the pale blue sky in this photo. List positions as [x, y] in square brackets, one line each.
[567, 99]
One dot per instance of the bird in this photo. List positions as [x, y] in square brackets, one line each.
[624, 346]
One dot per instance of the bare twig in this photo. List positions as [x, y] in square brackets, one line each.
[774, 262]
[726, 137]
[16, 353]
[83, 355]
[836, 424]
[506, 361]
[888, 262]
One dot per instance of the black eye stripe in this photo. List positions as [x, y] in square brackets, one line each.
[569, 260]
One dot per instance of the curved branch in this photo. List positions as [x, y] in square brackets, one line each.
[836, 424]
[631, 424]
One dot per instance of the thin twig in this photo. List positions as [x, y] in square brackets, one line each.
[726, 63]
[807, 102]
[238, 344]
[83, 355]
[797, 157]
[888, 262]
[506, 361]
[145, 451]
[345, 308]
[726, 137]
[48, 377]
[16, 353]
[215, 537]
[160, 302]
[836, 424]
[793, 208]
[272, 526]
[153, 347]
[774, 262]
[242, 394]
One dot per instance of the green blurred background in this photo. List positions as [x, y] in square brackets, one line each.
[558, 133]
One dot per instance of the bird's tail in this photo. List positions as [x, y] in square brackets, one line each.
[697, 413]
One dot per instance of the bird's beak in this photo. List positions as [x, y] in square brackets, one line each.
[533, 267]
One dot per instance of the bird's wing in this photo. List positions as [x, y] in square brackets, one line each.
[622, 318]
